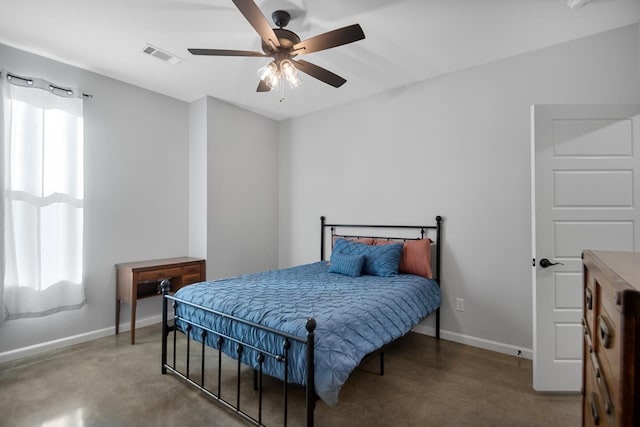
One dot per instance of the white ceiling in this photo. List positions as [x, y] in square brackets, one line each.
[406, 41]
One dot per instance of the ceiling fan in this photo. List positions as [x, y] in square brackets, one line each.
[284, 45]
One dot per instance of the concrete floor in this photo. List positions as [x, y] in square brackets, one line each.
[108, 382]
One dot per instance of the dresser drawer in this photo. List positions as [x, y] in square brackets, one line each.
[592, 412]
[599, 408]
[607, 345]
[166, 273]
[192, 269]
[191, 278]
[589, 299]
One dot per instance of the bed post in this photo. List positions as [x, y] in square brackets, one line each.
[322, 219]
[311, 388]
[438, 251]
[164, 286]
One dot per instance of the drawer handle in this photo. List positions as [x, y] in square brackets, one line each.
[587, 335]
[608, 404]
[596, 365]
[588, 295]
[606, 332]
[594, 409]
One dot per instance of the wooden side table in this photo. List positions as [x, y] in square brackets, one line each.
[136, 280]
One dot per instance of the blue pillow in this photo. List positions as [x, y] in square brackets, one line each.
[379, 260]
[349, 265]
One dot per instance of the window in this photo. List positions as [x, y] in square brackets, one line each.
[42, 203]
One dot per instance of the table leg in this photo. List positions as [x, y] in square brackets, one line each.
[133, 322]
[134, 303]
[117, 316]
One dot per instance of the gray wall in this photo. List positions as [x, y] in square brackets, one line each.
[242, 192]
[457, 146]
[163, 178]
[136, 160]
[233, 188]
[198, 131]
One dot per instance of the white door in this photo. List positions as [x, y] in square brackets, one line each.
[585, 195]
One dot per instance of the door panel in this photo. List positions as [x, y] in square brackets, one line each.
[572, 237]
[568, 341]
[585, 193]
[602, 188]
[579, 138]
[568, 291]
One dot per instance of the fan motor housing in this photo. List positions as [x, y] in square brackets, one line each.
[281, 18]
[286, 38]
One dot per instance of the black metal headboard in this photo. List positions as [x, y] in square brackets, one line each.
[422, 229]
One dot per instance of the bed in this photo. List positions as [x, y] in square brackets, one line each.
[311, 324]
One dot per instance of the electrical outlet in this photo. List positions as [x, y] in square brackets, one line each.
[459, 304]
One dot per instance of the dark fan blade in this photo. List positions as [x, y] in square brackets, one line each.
[224, 52]
[319, 73]
[257, 20]
[262, 87]
[334, 38]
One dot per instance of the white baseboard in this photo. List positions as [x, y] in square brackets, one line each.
[498, 347]
[141, 323]
[36, 349]
[152, 320]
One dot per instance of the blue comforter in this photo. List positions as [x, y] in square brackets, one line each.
[354, 316]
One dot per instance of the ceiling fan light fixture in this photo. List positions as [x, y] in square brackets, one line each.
[270, 75]
[290, 73]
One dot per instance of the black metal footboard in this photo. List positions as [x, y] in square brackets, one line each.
[240, 347]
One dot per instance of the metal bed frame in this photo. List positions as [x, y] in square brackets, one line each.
[423, 232]
[282, 356]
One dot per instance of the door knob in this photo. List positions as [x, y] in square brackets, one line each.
[545, 263]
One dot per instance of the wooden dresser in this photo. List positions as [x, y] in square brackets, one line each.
[611, 351]
[137, 280]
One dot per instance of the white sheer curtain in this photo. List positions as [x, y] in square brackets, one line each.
[42, 184]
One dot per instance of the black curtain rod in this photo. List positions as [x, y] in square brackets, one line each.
[30, 82]
[380, 226]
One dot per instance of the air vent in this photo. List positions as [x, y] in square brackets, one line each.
[161, 54]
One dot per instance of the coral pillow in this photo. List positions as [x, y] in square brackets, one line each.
[416, 257]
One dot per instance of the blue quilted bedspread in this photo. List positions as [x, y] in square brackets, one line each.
[354, 315]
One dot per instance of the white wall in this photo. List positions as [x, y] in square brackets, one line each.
[198, 131]
[233, 188]
[136, 199]
[163, 178]
[242, 202]
[456, 146]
